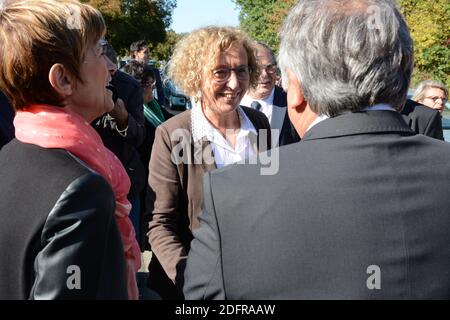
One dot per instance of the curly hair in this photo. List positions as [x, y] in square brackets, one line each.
[199, 50]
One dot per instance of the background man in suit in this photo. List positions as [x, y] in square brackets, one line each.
[271, 99]
[353, 212]
[423, 120]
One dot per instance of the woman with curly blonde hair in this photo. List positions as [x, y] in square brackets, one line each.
[215, 66]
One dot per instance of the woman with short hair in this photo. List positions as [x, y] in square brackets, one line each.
[64, 231]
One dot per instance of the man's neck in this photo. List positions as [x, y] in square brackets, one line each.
[258, 96]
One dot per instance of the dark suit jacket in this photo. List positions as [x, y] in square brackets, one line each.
[178, 192]
[6, 121]
[288, 134]
[423, 120]
[360, 191]
[56, 214]
[125, 149]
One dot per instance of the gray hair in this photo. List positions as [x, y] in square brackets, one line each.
[268, 48]
[347, 54]
[419, 94]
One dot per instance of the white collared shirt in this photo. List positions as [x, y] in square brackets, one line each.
[224, 153]
[266, 104]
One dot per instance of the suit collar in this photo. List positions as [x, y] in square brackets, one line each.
[363, 122]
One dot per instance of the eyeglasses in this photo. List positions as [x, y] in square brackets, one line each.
[223, 74]
[270, 68]
[436, 98]
[148, 84]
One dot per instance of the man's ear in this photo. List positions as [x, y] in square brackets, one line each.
[299, 111]
[61, 80]
[296, 100]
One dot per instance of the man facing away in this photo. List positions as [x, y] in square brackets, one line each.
[271, 99]
[357, 210]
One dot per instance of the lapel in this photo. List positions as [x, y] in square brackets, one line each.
[202, 155]
[278, 114]
[276, 124]
[208, 161]
[253, 117]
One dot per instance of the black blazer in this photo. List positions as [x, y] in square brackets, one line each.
[360, 191]
[56, 215]
[423, 120]
[288, 134]
[125, 149]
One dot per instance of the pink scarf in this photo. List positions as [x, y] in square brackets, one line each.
[53, 127]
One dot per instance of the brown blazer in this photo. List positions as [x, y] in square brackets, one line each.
[178, 188]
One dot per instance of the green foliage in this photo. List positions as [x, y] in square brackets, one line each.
[163, 50]
[262, 19]
[429, 23]
[132, 20]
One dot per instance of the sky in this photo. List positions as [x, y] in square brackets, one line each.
[192, 14]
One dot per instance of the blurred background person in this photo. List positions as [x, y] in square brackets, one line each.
[141, 52]
[154, 116]
[433, 94]
[6, 121]
[215, 66]
[270, 99]
[63, 206]
[123, 131]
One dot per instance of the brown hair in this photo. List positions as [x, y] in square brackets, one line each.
[35, 35]
[200, 49]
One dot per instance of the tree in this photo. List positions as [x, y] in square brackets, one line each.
[163, 50]
[428, 21]
[262, 19]
[132, 20]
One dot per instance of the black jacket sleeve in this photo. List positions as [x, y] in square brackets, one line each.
[203, 276]
[82, 255]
